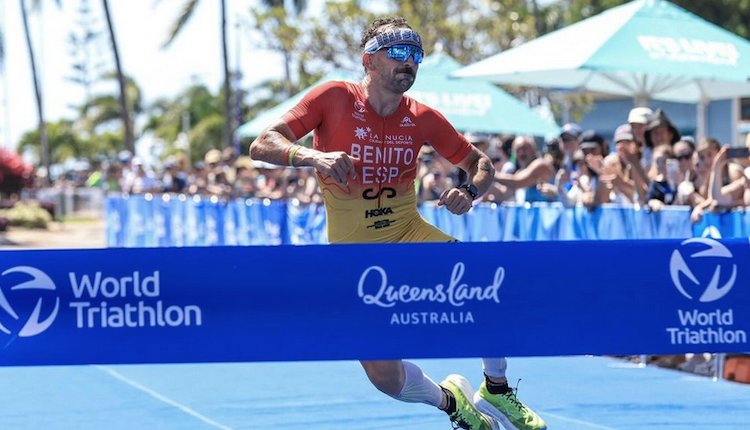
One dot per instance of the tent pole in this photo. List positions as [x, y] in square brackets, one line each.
[700, 130]
[735, 121]
[641, 100]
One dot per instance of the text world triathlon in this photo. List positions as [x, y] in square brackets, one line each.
[143, 311]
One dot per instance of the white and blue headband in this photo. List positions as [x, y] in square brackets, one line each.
[393, 37]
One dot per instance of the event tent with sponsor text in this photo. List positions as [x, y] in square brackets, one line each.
[474, 105]
[468, 105]
[645, 49]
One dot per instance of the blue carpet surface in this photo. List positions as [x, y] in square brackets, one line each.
[571, 393]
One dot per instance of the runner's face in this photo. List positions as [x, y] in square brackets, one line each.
[396, 76]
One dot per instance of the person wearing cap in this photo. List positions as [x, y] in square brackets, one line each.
[622, 171]
[569, 140]
[367, 138]
[592, 143]
[141, 180]
[639, 118]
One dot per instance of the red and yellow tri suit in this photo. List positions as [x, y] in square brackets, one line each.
[381, 204]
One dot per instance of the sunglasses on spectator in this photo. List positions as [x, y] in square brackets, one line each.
[567, 138]
[682, 157]
[403, 52]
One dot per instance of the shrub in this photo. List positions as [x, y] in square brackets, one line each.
[27, 214]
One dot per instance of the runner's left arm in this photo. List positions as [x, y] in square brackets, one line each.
[456, 149]
[479, 172]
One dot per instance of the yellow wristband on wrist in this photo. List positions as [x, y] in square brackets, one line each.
[291, 155]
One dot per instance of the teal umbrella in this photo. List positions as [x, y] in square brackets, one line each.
[468, 105]
[474, 105]
[645, 49]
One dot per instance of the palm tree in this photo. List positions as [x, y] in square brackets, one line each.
[298, 7]
[179, 24]
[105, 109]
[37, 89]
[187, 12]
[124, 111]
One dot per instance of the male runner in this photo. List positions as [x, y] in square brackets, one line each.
[366, 141]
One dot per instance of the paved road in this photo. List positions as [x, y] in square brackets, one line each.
[72, 234]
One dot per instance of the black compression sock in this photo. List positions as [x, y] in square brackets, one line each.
[495, 387]
[451, 408]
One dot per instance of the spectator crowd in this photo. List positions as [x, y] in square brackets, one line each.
[647, 164]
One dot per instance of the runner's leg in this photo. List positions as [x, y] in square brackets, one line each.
[404, 381]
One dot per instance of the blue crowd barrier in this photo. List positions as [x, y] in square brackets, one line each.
[166, 220]
[273, 303]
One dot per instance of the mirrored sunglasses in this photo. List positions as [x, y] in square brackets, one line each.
[403, 52]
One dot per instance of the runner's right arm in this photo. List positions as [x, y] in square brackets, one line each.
[273, 143]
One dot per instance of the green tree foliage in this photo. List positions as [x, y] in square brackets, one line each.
[332, 39]
[64, 141]
[282, 35]
[103, 112]
[67, 141]
[187, 12]
[204, 114]
[469, 30]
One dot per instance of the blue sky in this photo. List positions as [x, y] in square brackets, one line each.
[141, 27]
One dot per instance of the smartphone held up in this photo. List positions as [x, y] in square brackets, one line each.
[738, 153]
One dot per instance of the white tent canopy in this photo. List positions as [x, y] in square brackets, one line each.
[645, 49]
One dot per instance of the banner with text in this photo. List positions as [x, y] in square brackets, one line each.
[226, 304]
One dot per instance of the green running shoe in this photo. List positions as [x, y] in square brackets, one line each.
[466, 415]
[508, 410]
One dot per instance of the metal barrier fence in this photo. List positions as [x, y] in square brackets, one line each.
[71, 202]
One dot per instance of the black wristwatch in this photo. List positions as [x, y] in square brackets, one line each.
[471, 189]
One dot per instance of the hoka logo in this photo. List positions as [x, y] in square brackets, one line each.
[378, 212]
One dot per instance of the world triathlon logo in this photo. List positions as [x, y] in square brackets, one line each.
[711, 258]
[26, 280]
